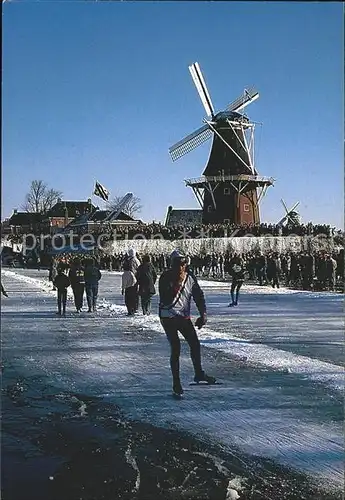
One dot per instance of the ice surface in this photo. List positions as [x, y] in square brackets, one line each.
[278, 355]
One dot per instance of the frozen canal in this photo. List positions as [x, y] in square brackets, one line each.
[279, 356]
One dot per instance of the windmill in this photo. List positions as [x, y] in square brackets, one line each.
[230, 188]
[290, 215]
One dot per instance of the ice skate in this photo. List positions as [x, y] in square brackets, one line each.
[177, 390]
[203, 377]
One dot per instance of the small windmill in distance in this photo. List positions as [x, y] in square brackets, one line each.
[291, 216]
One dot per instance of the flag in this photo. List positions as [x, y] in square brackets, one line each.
[101, 191]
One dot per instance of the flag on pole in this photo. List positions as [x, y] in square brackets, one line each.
[101, 191]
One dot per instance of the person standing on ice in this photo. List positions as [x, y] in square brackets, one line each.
[237, 272]
[92, 275]
[146, 278]
[133, 263]
[133, 260]
[129, 288]
[76, 276]
[177, 286]
[61, 283]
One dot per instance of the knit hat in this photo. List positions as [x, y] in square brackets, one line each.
[177, 254]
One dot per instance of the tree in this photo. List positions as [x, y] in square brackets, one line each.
[40, 198]
[132, 208]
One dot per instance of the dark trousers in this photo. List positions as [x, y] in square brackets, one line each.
[275, 280]
[78, 292]
[91, 295]
[261, 276]
[131, 296]
[136, 297]
[61, 300]
[171, 327]
[235, 285]
[307, 279]
[146, 303]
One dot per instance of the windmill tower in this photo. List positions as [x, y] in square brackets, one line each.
[230, 189]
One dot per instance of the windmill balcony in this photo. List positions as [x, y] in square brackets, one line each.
[258, 179]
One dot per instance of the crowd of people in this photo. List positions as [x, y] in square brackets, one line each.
[155, 230]
[81, 275]
[308, 271]
[222, 230]
[320, 270]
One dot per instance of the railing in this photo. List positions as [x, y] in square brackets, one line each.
[241, 177]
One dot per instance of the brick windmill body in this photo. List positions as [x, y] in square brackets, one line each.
[230, 189]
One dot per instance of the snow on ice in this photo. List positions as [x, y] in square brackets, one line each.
[280, 396]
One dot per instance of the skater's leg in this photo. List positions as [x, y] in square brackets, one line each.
[94, 296]
[232, 292]
[134, 298]
[59, 300]
[88, 288]
[75, 295]
[148, 304]
[187, 329]
[144, 299]
[130, 297]
[82, 289]
[238, 288]
[128, 300]
[80, 293]
[171, 331]
[64, 300]
[259, 274]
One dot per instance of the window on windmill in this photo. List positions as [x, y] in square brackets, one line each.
[227, 191]
[245, 207]
[209, 208]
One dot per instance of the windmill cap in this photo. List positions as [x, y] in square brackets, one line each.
[177, 254]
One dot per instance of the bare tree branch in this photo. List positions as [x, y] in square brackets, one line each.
[39, 198]
[132, 208]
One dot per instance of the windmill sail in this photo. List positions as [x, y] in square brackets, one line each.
[201, 87]
[241, 102]
[190, 142]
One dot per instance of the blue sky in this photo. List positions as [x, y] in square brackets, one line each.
[101, 90]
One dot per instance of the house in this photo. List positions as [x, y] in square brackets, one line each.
[64, 215]
[25, 222]
[64, 212]
[183, 217]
